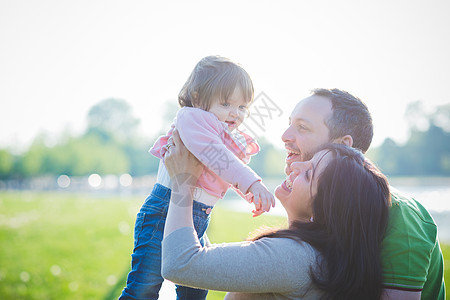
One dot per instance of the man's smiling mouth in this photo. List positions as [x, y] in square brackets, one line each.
[291, 154]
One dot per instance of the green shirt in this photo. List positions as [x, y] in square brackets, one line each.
[411, 257]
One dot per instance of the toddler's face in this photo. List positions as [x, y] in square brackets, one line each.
[232, 111]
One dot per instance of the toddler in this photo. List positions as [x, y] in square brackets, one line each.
[214, 101]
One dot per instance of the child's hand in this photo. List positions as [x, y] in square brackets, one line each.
[257, 212]
[262, 198]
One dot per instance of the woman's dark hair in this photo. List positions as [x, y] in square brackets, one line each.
[350, 215]
[214, 76]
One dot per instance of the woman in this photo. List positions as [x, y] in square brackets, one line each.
[337, 206]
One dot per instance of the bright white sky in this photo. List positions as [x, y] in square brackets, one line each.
[58, 58]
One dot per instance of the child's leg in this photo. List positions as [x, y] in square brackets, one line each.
[201, 215]
[144, 281]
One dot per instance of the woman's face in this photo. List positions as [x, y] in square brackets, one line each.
[297, 191]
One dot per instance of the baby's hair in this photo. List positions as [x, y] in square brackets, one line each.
[214, 76]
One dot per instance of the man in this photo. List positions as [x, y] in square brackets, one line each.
[411, 257]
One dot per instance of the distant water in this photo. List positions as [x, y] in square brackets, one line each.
[434, 198]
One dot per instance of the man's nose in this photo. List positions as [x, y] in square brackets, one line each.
[287, 135]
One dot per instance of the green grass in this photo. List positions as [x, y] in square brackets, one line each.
[66, 246]
[446, 252]
[63, 246]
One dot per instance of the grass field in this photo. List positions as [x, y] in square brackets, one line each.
[66, 246]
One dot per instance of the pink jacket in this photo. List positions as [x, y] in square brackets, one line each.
[225, 154]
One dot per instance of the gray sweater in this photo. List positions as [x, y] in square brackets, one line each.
[269, 268]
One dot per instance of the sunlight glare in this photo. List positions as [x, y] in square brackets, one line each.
[63, 181]
[125, 180]
[95, 180]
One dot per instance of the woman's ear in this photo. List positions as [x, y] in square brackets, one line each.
[347, 140]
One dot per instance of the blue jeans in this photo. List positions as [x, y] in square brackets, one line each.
[145, 280]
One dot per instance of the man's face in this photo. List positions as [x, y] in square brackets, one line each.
[307, 129]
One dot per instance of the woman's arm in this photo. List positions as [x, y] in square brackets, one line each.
[267, 265]
[201, 133]
[184, 170]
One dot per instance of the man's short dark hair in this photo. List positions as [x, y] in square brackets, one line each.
[350, 116]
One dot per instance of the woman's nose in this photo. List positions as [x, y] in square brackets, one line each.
[299, 166]
[296, 167]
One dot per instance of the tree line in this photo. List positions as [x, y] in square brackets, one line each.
[111, 144]
[427, 150]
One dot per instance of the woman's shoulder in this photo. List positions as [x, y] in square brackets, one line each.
[296, 252]
[295, 259]
[280, 251]
[287, 242]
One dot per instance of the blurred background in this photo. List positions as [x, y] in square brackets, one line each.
[87, 86]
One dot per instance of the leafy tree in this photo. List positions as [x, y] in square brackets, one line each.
[441, 117]
[86, 155]
[416, 116]
[141, 161]
[112, 145]
[6, 163]
[112, 119]
[427, 151]
[387, 157]
[31, 163]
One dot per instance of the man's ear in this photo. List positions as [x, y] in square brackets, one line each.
[346, 140]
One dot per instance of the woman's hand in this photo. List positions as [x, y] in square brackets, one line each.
[184, 170]
[180, 163]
